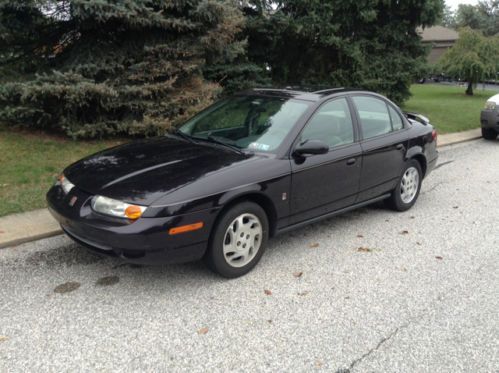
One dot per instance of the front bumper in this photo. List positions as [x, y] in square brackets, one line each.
[144, 241]
[490, 119]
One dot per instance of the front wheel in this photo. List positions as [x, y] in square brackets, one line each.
[238, 241]
[489, 133]
[407, 191]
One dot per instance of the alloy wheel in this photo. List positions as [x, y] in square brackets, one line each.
[242, 240]
[409, 185]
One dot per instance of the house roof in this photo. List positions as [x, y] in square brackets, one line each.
[438, 33]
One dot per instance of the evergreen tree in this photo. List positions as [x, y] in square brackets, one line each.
[102, 67]
[364, 43]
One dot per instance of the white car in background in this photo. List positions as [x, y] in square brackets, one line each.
[489, 118]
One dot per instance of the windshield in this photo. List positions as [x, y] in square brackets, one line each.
[247, 122]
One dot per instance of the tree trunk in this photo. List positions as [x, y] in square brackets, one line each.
[469, 90]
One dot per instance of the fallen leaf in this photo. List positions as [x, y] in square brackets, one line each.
[387, 220]
[418, 243]
[318, 363]
[203, 331]
[364, 250]
[404, 232]
[267, 292]
[404, 269]
[438, 257]
[413, 217]
[312, 245]
[297, 274]
[360, 236]
[269, 321]
[3, 338]
[455, 207]
[303, 293]
[2, 231]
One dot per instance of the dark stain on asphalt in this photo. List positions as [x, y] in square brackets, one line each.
[67, 287]
[107, 281]
[67, 255]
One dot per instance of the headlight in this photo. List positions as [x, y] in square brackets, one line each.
[65, 184]
[490, 105]
[112, 207]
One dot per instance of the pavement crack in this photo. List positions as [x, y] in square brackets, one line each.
[442, 164]
[372, 350]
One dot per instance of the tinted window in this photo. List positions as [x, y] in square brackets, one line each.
[332, 124]
[373, 115]
[397, 123]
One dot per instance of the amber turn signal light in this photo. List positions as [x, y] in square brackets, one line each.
[133, 212]
[186, 228]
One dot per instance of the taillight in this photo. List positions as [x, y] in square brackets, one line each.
[434, 135]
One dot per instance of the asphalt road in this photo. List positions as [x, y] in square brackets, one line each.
[369, 291]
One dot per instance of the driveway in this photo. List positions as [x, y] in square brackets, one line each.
[369, 291]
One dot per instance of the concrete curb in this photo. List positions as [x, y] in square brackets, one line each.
[25, 227]
[30, 226]
[459, 137]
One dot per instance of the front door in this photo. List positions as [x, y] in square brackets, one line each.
[327, 182]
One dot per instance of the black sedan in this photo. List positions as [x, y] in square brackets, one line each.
[247, 168]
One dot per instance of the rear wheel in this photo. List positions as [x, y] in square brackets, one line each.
[409, 185]
[238, 241]
[489, 133]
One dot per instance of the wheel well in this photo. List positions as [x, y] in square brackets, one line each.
[422, 162]
[264, 202]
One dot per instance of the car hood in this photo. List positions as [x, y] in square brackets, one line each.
[142, 171]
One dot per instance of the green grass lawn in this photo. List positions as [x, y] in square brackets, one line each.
[29, 164]
[448, 108]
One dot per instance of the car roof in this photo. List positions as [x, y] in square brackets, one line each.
[301, 93]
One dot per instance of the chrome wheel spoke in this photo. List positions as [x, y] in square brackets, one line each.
[242, 240]
[409, 185]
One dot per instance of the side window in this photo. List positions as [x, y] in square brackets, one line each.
[332, 123]
[397, 123]
[373, 115]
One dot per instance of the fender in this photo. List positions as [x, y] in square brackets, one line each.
[414, 151]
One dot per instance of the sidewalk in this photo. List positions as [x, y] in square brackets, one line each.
[29, 226]
[34, 225]
[455, 138]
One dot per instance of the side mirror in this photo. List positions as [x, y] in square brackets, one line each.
[311, 147]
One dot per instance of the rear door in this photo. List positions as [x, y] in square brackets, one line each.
[383, 145]
[327, 182]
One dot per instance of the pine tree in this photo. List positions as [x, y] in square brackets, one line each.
[94, 68]
[364, 43]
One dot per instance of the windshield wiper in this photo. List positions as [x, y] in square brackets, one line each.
[183, 135]
[213, 139]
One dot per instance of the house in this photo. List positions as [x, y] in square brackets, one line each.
[439, 39]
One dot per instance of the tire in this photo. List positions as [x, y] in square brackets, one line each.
[403, 199]
[238, 241]
[489, 133]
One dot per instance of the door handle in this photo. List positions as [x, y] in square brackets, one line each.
[400, 146]
[351, 161]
